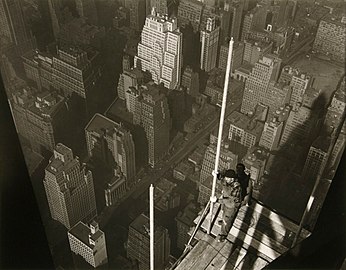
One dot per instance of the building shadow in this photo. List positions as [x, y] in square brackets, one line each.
[284, 192]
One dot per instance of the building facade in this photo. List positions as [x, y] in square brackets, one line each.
[265, 70]
[210, 41]
[160, 50]
[330, 38]
[38, 117]
[88, 242]
[69, 188]
[138, 244]
[112, 143]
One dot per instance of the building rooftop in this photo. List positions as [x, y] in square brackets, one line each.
[244, 122]
[82, 232]
[141, 225]
[188, 215]
[100, 123]
[322, 143]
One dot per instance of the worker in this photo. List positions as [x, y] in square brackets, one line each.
[230, 200]
[245, 183]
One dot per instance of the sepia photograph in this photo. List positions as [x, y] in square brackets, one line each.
[172, 134]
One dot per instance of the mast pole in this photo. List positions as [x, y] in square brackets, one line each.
[151, 218]
[219, 140]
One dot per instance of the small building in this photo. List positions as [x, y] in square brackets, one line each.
[88, 242]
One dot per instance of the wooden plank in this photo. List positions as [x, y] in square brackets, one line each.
[264, 235]
[237, 256]
[217, 262]
[204, 258]
[192, 256]
[251, 261]
[286, 223]
[256, 217]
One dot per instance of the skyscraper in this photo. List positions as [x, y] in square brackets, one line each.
[129, 78]
[265, 70]
[75, 70]
[69, 188]
[190, 80]
[330, 38]
[254, 50]
[137, 13]
[244, 130]
[39, 117]
[271, 134]
[299, 125]
[237, 56]
[190, 11]
[160, 50]
[55, 7]
[209, 40]
[184, 221]
[300, 82]
[316, 156]
[161, 6]
[231, 18]
[138, 244]
[87, 9]
[12, 24]
[156, 121]
[89, 242]
[112, 143]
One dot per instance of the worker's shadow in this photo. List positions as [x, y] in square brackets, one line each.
[283, 191]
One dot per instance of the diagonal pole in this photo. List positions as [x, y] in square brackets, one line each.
[219, 139]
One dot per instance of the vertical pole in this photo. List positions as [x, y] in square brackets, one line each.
[219, 139]
[151, 218]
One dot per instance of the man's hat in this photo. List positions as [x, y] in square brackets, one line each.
[230, 174]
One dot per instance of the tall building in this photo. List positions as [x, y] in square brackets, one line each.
[38, 67]
[161, 6]
[265, 70]
[184, 221]
[237, 56]
[89, 242]
[277, 95]
[299, 83]
[69, 188]
[316, 156]
[231, 18]
[75, 70]
[156, 121]
[112, 143]
[129, 78]
[39, 117]
[244, 130]
[87, 9]
[116, 189]
[190, 80]
[137, 13]
[254, 50]
[254, 19]
[160, 50]
[12, 24]
[299, 125]
[209, 39]
[255, 162]
[81, 31]
[55, 7]
[271, 134]
[190, 11]
[330, 38]
[138, 244]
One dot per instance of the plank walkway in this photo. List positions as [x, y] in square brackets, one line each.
[257, 237]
